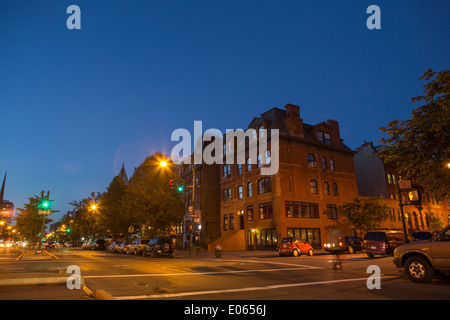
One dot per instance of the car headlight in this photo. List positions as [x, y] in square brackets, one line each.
[395, 252]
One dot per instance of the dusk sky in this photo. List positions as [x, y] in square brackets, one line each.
[76, 104]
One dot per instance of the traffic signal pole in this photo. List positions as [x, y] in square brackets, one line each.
[39, 244]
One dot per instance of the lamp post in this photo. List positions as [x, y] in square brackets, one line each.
[164, 164]
[400, 204]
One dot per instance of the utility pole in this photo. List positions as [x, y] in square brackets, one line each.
[400, 204]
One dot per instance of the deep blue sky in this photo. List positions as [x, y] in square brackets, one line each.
[75, 104]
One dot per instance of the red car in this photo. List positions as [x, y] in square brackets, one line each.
[295, 246]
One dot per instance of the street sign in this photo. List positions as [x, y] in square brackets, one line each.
[404, 184]
[44, 212]
[130, 229]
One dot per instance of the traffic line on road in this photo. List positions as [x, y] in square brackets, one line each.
[193, 273]
[271, 287]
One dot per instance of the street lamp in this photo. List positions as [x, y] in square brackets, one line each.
[163, 164]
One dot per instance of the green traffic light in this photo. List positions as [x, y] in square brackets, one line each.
[180, 188]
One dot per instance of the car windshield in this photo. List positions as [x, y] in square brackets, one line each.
[422, 235]
[286, 240]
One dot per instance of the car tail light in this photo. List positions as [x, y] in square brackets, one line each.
[341, 244]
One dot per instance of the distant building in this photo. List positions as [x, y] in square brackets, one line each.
[123, 175]
[316, 175]
[6, 207]
[378, 179]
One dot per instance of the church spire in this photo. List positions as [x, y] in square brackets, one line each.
[2, 192]
[123, 175]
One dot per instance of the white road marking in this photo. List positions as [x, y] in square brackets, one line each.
[279, 286]
[193, 273]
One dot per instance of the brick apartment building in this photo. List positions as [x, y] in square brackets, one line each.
[378, 179]
[207, 202]
[316, 175]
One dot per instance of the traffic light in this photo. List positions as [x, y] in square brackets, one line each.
[180, 188]
[44, 204]
[68, 230]
[414, 197]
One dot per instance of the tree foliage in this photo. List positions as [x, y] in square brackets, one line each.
[366, 213]
[28, 221]
[420, 146]
[149, 199]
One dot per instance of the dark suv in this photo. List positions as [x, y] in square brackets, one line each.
[159, 246]
[382, 242]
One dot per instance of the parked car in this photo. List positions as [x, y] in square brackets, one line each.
[86, 245]
[49, 245]
[295, 246]
[113, 246]
[123, 247]
[98, 244]
[350, 244]
[422, 235]
[137, 246]
[382, 242]
[422, 260]
[159, 246]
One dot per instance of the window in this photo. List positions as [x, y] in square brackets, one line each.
[250, 215]
[231, 221]
[311, 160]
[332, 168]
[313, 185]
[264, 185]
[265, 211]
[326, 186]
[389, 179]
[226, 171]
[240, 193]
[323, 137]
[267, 157]
[332, 211]
[249, 190]
[249, 164]
[239, 169]
[324, 163]
[226, 195]
[259, 162]
[335, 189]
[302, 210]
[225, 222]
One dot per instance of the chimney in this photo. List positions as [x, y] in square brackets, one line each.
[335, 134]
[293, 122]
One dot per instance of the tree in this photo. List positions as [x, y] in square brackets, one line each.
[420, 147]
[365, 214]
[28, 221]
[436, 222]
[149, 200]
[112, 217]
[86, 221]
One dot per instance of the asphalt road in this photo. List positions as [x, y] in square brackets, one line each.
[237, 276]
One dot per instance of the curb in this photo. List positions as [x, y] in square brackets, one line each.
[32, 281]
